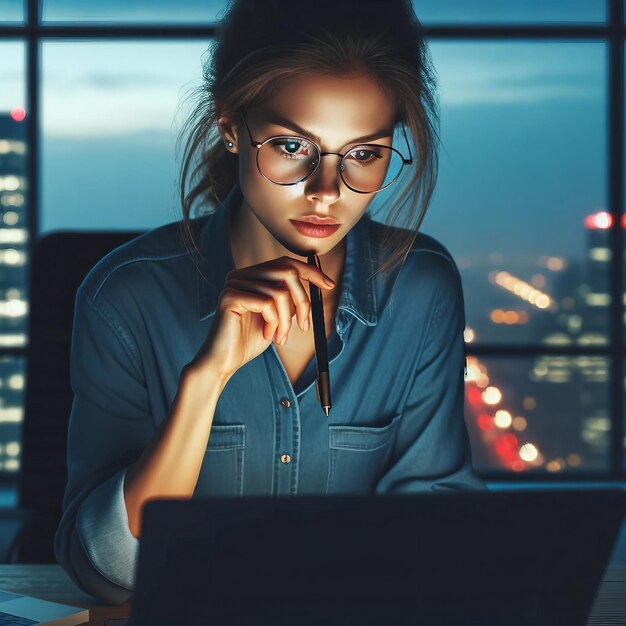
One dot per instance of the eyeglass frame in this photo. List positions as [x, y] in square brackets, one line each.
[259, 144]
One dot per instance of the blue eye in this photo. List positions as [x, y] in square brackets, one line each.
[292, 146]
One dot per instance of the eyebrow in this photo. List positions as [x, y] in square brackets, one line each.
[283, 121]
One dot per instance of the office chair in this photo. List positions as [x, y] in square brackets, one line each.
[60, 261]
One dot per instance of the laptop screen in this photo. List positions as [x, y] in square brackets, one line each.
[514, 558]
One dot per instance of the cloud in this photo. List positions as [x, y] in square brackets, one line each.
[520, 72]
[121, 81]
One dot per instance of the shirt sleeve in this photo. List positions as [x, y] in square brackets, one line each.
[432, 449]
[109, 426]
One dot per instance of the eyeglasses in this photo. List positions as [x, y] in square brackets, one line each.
[365, 168]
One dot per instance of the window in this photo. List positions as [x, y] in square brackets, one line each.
[109, 125]
[530, 188]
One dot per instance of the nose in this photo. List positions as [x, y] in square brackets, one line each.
[323, 184]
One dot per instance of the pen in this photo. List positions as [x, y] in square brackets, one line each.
[322, 384]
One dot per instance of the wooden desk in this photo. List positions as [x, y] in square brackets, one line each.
[50, 582]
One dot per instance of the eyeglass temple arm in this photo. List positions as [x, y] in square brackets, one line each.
[255, 144]
[408, 161]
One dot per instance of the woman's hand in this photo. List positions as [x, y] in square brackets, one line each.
[255, 308]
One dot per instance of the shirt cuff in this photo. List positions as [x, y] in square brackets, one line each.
[102, 526]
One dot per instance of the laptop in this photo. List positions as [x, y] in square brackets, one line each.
[19, 610]
[508, 558]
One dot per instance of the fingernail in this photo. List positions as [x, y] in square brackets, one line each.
[330, 282]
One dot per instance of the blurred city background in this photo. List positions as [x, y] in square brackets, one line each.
[522, 200]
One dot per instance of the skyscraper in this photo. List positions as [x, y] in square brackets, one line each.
[13, 281]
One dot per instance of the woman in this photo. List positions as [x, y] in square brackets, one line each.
[176, 391]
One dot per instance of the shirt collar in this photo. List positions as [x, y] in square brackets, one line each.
[358, 295]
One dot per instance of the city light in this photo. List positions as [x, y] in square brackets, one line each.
[574, 460]
[12, 145]
[11, 414]
[11, 183]
[13, 308]
[600, 255]
[528, 452]
[592, 339]
[499, 316]
[519, 423]
[13, 235]
[555, 263]
[529, 403]
[502, 419]
[491, 395]
[12, 448]
[602, 220]
[522, 289]
[10, 218]
[16, 381]
[12, 199]
[11, 256]
[12, 339]
[555, 465]
[557, 339]
[18, 114]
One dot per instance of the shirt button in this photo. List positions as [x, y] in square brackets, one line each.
[285, 402]
[285, 458]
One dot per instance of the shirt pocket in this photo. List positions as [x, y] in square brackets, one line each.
[222, 468]
[358, 455]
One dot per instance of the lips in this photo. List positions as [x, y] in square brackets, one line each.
[322, 221]
[315, 230]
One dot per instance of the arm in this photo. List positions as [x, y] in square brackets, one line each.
[117, 460]
[432, 449]
[109, 425]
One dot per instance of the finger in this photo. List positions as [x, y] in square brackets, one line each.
[241, 302]
[290, 279]
[292, 275]
[311, 273]
[281, 294]
[305, 271]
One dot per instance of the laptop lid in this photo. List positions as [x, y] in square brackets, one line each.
[16, 608]
[442, 559]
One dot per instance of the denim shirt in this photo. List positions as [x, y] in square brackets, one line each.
[396, 361]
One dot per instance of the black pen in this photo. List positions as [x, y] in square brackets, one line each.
[322, 384]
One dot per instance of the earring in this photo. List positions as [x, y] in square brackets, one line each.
[230, 144]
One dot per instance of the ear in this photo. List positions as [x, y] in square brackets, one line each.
[229, 130]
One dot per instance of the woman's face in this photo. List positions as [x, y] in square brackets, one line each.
[337, 112]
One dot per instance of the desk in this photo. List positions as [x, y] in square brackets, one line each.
[50, 582]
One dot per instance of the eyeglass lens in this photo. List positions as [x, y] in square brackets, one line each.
[365, 168]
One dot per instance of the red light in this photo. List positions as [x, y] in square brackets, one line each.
[474, 395]
[485, 422]
[18, 114]
[599, 221]
[511, 440]
[506, 447]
